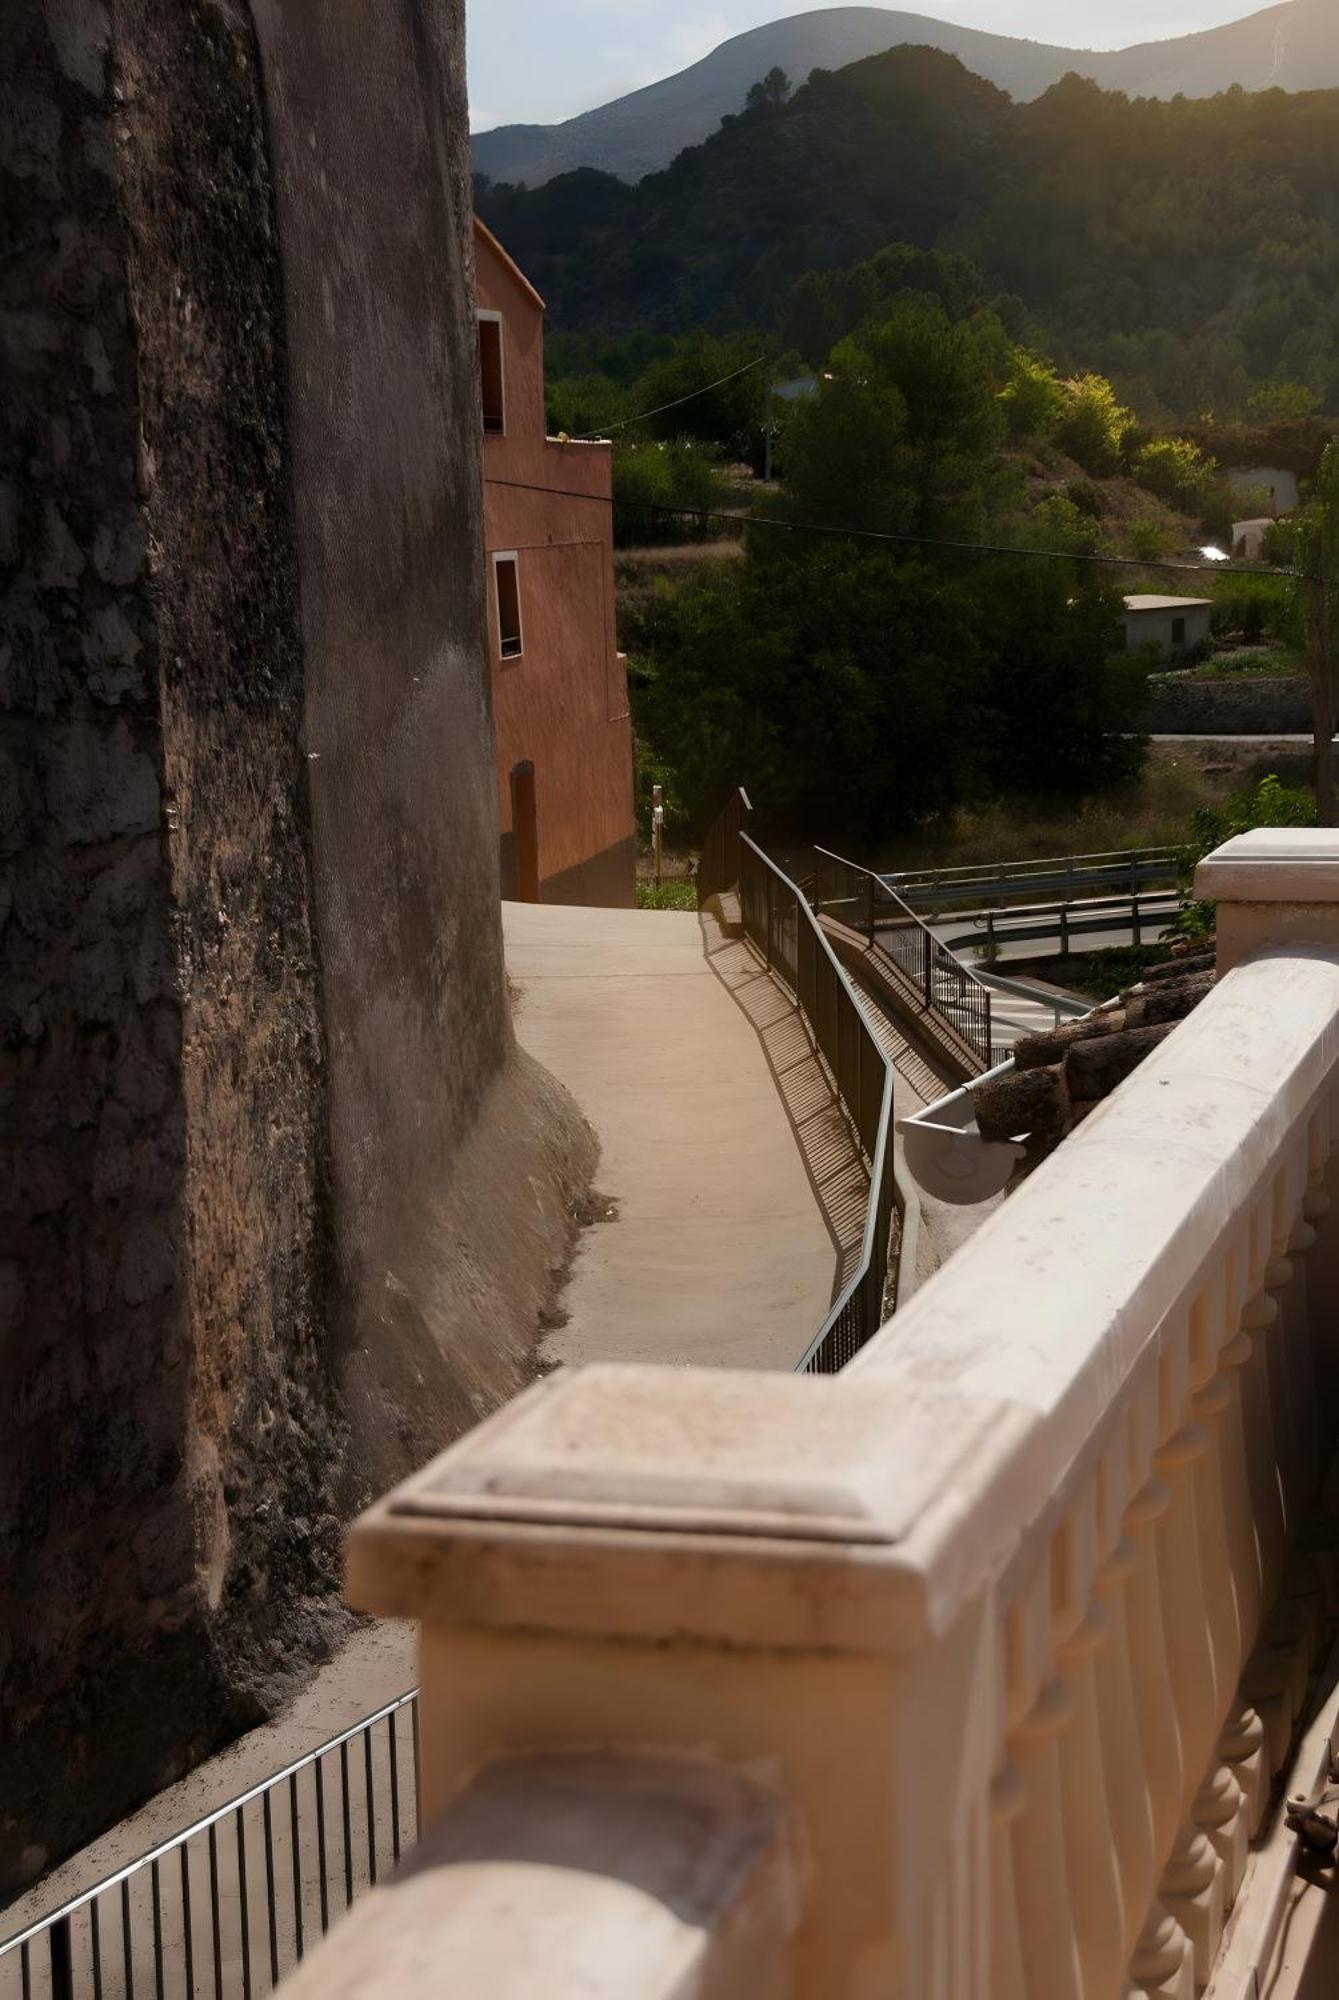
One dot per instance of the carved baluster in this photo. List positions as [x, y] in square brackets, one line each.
[1041, 1872]
[1163, 1966]
[1240, 1524]
[1257, 1321]
[1038, 1708]
[1193, 1886]
[1082, 1635]
[1122, 1754]
[1242, 1749]
[1006, 1980]
[1219, 1809]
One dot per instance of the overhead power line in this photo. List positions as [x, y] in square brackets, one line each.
[831, 531]
[622, 423]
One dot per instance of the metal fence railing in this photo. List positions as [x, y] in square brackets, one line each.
[718, 863]
[1072, 877]
[948, 990]
[230, 1906]
[1062, 923]
[782, 928]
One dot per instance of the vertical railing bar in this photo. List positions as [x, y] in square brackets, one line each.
[371, 1809]
[320, 1844]
[25, 1972]
[127, 1945]
[347, 1825]
[95, 1940]
[297, 1863]
[244, 1902]
[214, 1908]
[188, 1942]
[394, 1787]
[61, 1947]
[418, 1789]
[267, 1818]
[156, 1889]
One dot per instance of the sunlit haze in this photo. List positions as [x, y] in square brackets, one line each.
[541, 60]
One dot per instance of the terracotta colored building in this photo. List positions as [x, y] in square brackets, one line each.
[560, 685]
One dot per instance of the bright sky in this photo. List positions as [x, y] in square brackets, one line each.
[540, 60]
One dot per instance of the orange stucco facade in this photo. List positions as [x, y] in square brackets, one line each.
[560, 701]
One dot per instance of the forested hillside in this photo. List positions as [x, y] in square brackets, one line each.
[1190, 249]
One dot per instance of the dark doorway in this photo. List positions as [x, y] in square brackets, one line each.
[525, 832]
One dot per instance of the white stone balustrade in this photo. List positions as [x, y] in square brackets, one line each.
[1001, 1634]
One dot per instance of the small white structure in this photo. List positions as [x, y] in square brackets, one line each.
[1173, 626]
[1248, 538]
[1275, 480]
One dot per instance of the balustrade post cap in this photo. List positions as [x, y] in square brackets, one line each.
[754, 1509]
[1287, 864]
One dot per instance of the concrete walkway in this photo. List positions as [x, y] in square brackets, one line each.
[723, 1252]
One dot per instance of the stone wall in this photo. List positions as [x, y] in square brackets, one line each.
[1236, 705]
[271, 1174]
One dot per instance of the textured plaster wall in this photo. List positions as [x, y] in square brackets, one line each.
[563, 704]
[279, 1202]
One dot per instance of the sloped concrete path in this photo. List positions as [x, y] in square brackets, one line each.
[727, 1241]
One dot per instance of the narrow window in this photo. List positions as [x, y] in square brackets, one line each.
[1178, 632]
[506, 577]
[491, 383]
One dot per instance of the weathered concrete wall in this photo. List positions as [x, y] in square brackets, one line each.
[169, 1420]
[273, 1176]
[1272, 704]
[375, 212]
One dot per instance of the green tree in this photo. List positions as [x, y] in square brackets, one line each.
[837, 682]
[1094, 424]
[716, 387]
[1277, 401]
[773, 90]
[1064, 703]
[1177, 471]
[1034, 398]
[902, 434]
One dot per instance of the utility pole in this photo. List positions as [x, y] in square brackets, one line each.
[768, 425]
[1320, 567]
[1322, 692]
[658, 829]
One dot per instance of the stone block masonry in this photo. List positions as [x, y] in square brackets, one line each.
[260, 1108]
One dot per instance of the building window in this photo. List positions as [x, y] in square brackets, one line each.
[1178, 632]
[507, 585]
[491, 382]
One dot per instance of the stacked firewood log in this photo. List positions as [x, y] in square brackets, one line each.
[1060, 1077]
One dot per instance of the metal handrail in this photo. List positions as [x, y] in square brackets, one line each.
[56, 1927]
[780, 922]
[1005, 868]
[950, 991]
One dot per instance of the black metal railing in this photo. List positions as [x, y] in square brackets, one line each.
[718, 863]
[946, 988]
[231, 1905]
[780, 924]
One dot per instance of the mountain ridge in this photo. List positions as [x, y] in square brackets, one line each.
[1293, 45]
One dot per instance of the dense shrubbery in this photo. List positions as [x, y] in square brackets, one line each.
[652, 481]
